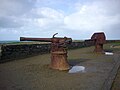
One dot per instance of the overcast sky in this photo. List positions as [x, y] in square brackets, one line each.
[77, 19]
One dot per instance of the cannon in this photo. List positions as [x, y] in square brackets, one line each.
[58, 50]
[98, 39]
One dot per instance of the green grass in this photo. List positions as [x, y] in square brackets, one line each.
[78, 40]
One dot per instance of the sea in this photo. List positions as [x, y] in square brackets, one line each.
[9, 41]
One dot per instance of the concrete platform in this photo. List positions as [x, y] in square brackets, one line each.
[34, 73]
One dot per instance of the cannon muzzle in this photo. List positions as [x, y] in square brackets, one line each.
[22, 39]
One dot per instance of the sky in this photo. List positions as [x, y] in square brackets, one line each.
[77, 19]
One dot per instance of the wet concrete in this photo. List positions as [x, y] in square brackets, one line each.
[77, 69]
[116, 82]
[108, 53]
[34, 73]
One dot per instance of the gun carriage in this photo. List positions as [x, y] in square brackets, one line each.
[58, 50]
[98, 39]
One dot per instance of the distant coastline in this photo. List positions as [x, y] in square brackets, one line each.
[9, 41]
[14, 42]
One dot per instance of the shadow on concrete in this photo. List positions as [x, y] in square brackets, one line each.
[74, 62]
[108, 50]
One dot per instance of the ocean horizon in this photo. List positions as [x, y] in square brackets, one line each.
[8, 41]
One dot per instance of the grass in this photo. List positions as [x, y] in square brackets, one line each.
[111, 47]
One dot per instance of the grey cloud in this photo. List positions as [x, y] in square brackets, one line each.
[7, 22]
[14, 8]
[113, 32]
[23, 13]
[111, 7]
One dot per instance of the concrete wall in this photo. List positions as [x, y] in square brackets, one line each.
[18, 51]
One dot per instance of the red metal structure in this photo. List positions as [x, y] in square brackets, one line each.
[98, 39]
[58, 50]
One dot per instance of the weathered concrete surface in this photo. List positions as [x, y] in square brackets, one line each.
[34, 74]
[116, 83]
[110, 79]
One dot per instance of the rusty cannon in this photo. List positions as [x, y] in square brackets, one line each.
[98, 40]
[58, 50]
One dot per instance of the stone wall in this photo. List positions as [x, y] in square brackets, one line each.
[18, 51]
[11, 52]
[113, 41]
[0, 52]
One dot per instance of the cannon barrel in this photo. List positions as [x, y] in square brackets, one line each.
[35, 39]
[45, 39]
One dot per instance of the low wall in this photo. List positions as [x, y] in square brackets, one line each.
[11, 52]
[18, 51]
[113, 41]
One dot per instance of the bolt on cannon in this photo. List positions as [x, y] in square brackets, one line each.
[98, 40]
[58, 50]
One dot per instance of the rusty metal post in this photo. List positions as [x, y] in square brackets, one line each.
[98, 48]
[59, 53]
[59, 60]
[99, 39]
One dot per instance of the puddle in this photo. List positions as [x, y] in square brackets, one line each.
[76, 69]
[108, 53]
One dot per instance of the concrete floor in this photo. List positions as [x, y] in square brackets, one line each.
[34, 73]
